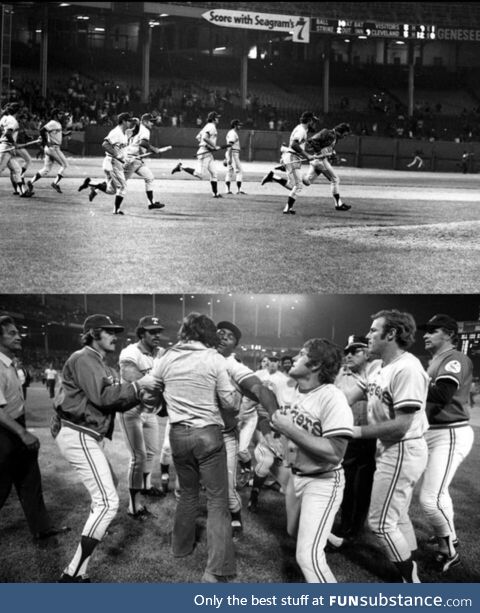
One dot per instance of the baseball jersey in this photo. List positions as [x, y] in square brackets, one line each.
[324, 142]
[54, 132]
[324, 412]
[208, 131]
[8, 124]
[238, 372]
[453, 366]
[119, 141]
[233, 139]
[133, 147]
[299, 134]
[400, 384]
[11, 394]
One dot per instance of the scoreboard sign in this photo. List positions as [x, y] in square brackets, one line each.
[374, 29]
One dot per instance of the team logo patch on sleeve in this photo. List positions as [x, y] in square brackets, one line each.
[454, 367]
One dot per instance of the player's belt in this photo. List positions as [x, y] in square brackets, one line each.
[68, 424]
[321, 474]
[455, 424]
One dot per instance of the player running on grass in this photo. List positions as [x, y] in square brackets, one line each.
[207, 144]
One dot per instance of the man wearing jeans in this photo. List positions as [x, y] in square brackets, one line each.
[195, 375]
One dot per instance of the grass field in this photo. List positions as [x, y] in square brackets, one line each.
[139, 552]
[408, 232]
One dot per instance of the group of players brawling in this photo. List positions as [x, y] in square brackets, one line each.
[128, 144]
[352, 430]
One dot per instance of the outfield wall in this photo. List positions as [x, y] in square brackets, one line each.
[359, 151]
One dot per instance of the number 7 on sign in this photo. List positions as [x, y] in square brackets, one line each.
[301, 30]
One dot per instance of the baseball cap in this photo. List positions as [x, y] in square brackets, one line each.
[342, 128]
[147, 117]
[124, 117]
[440, 321]
[101, 321]
[235, 123]
[227, 325]
[271, 357]
[212, 116]
[307, 116]
[150, 323]
[356, 342]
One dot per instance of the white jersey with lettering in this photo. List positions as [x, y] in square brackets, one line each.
[233, 140]
[323, 412]
[119, 141]
[54, 131]
[299, 135]
[134, 148]
[403, 383]
[209, 131]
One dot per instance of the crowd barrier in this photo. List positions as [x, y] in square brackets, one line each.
[259, 145]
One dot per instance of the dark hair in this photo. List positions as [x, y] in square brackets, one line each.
[6, 320]
[325, 356]
[197, 327]
[402, 323]
[91, 335]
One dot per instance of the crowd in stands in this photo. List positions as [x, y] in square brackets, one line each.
[178, 103]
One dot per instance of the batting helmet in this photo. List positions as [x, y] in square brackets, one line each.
[212, 116]
[343, 128]
[235, 123]
[308, 116]
[147, 117]
[124, 117]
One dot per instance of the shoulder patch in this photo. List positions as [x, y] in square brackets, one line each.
[453, 366]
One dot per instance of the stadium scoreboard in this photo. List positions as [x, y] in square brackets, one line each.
[374, 29]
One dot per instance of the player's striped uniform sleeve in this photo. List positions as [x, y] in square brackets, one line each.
[238, 372]
[409, 387]
[337, 416]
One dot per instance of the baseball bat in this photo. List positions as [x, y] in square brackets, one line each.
[23, 145]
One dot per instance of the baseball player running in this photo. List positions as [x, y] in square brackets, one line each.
[318, 424]
[246, 383]
[322, 145]
[207, 144]
[292, 157]
[9, 128]
[114, 145]
[232, 157]
[397, 394]
[449, 437]
[141, 429]
[85, 412]
[138, 145]
[51, 134]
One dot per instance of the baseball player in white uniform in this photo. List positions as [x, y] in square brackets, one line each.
[138, 145]
[114, 145]
[51, 134]
[85, 411]
[292, 157]
[207, 144]
[9, 128]
[141, 429]
[246, 383]
[397, 394]
[232, 158]
[449, 437]
[318, 425]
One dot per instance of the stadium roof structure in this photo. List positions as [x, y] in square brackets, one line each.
[446, 14]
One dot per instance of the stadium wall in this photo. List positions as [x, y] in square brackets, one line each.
[257, 145]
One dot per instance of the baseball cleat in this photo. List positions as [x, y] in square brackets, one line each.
[240, 192]
[267, 178]
[165, 483]
[445, 562]
[289, 212]
[16, 194]
[177, 168]
[229, 191]
[56, 187]
[85, 184]
[209, 577]
[118, 213]
[217, 196]
[281, 167]
[237, 528]
[142, 515]
[433, 540]
[92, 194]
[156, 205]
[343, 207]
[45, 534]
[26, 195]
[153, 492]
[65, 578]
[30, 186]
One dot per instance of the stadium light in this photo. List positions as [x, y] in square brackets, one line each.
[347, 40]
[64, 4]
[399, 42]
[163, 15]
[99, 29]
[362, 37]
